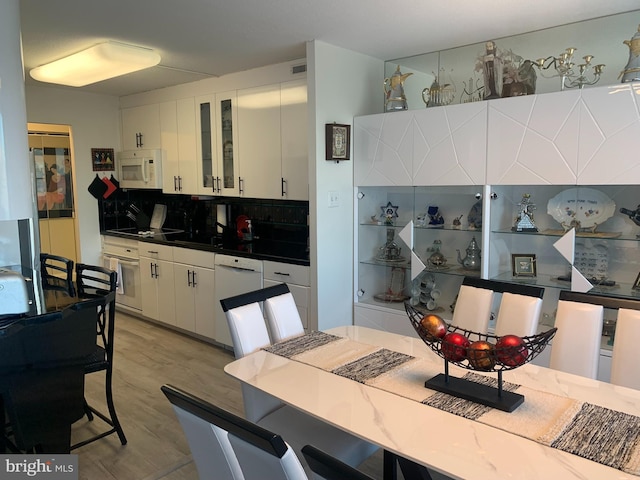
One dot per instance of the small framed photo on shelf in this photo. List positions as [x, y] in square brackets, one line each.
[338, 141]
[523, 264]
[636, 284]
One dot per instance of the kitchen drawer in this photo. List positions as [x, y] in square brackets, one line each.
[119, 242]
[198, 258]
[287, 273]
[121, 250]
[155, 250]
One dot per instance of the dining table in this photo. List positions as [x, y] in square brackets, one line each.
[568, 426]
[42, 357]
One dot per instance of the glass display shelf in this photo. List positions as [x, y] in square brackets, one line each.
[560, 233]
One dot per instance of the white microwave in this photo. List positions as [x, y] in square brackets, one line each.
[140, 169]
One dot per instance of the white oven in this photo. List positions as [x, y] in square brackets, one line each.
[122, 255]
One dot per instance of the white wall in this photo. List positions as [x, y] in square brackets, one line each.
[341, 85]
[95, 123]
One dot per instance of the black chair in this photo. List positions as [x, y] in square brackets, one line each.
[101, 283]
[56, 272]
[259, 453]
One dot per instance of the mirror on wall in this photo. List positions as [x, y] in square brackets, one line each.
[461, 69]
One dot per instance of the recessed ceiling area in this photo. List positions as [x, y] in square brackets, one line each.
[197, 39]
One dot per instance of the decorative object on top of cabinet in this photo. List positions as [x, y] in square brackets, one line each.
[524, 221]
[337, 141]
[472, 91]
[475, 216]
[523, 264]
[491, 66]
[394, 292]
[390, 252]
[634, 215]
[631, 72]
[436, 260]
[394, 91]
[563, 65]
[389, 213]
[439, 94]
[581, 208]
[472, 260]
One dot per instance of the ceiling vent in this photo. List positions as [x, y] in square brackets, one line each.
[298, 69]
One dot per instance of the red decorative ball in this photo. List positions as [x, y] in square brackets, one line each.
[511, 350]
[434, 325]
[454, 347]
[481, 355]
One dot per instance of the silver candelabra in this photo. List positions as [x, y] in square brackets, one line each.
[586, 74]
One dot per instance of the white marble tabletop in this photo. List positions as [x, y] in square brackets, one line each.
[447, 443]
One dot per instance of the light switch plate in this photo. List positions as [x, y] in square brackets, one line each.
[334, 199]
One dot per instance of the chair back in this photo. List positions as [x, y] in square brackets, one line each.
[259, 453]
[282, 314]
[624, 361]
[249, 334]
[576, 346]
[209, 444]
[326, 467]
[56, 271]
[473, 305]
[520, 308]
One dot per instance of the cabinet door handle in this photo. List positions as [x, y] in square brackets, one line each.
[157, 273]
[281, 273]
[151, 269]
[194, 283]
[175, 183]
[179, 183]
[189, 278]
[283, 182]
[240, 186]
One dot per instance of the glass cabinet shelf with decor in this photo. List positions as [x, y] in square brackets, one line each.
[442, 222]
[606, 245]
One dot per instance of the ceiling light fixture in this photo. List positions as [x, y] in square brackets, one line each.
[100, 62]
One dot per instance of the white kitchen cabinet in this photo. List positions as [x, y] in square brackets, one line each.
[141, 127]
[226, 153]
[206, 145]
[157, 282]
[298, 280]
[259, 142]
[178, 126]
[194, 287]
[294, 140]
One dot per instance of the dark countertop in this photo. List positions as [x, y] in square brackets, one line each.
[260, 249]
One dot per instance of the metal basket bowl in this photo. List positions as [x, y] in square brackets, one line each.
[494, 360]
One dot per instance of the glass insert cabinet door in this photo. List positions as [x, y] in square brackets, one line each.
[226, 118]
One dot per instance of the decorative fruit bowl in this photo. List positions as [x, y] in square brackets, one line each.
[479, 352]
[474, 350]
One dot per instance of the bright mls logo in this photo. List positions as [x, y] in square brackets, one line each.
[57, 467]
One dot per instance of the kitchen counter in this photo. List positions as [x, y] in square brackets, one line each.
[259, 249]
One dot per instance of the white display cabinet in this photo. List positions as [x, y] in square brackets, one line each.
[388, 279]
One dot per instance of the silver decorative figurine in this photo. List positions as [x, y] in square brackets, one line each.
[524, 221]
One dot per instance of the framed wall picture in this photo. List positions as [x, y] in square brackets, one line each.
[636, 284]
[338, 141]
[523, 264]
[102, 159]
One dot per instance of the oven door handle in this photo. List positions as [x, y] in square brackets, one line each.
[133, 263]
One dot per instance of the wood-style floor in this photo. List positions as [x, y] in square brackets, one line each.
[146, 357]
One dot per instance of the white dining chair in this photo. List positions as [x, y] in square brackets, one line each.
[209, 444]
[282, 315]
[249, 334]
[518, 315]
[226, 446]
[473, 307]
[625, 356]
[575, 348]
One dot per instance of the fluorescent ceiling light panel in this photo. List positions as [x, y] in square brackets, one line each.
[100, 62]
